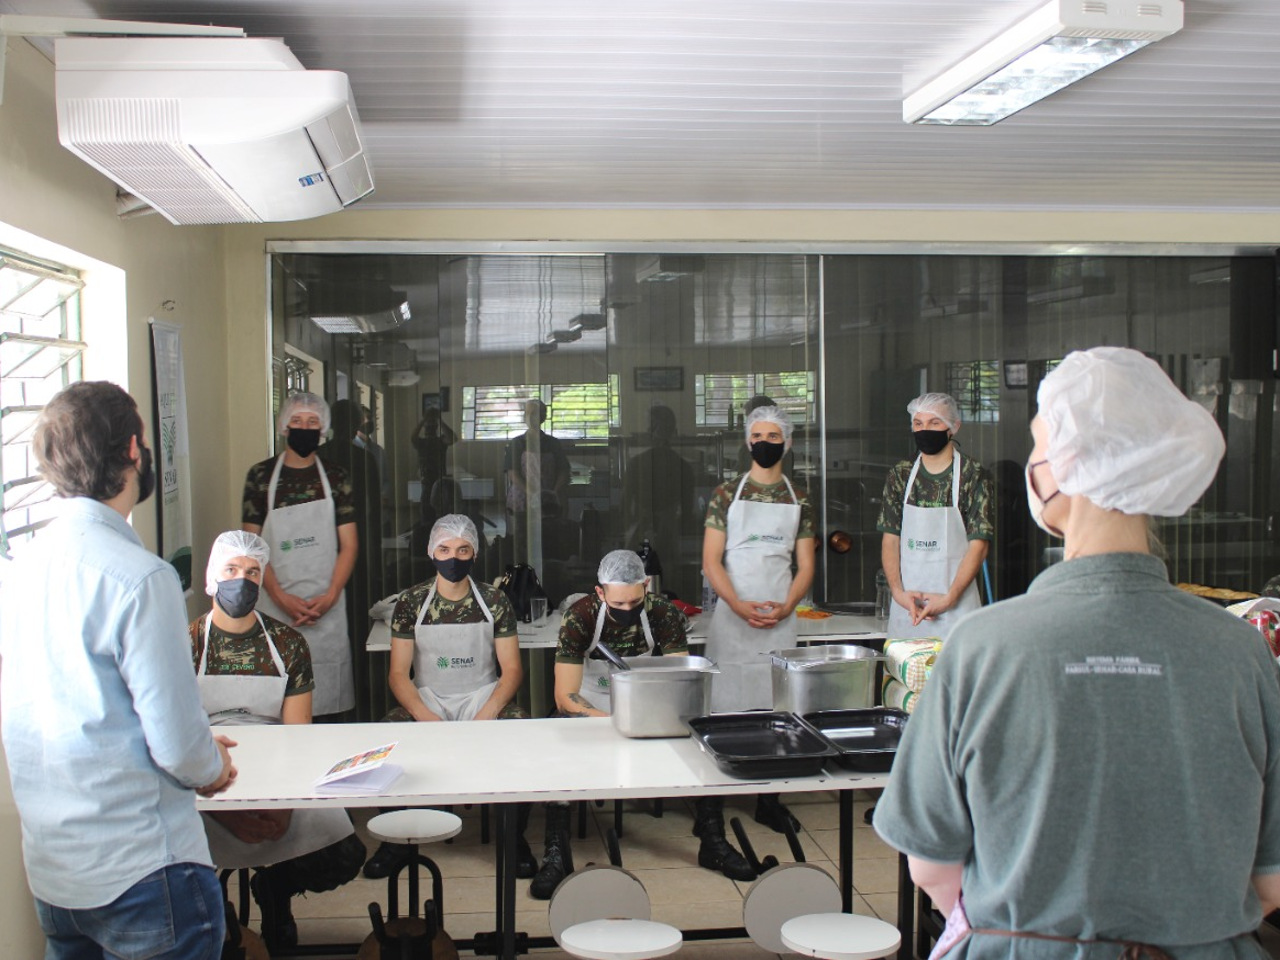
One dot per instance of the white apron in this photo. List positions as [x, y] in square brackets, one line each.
[455, 665]
[234, 700]
[304, 551]
[932, 545]
[760, 540]
[596, 686]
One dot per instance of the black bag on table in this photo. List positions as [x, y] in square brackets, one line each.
[520, 584]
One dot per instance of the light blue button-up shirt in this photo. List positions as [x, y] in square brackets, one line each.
[103, 729]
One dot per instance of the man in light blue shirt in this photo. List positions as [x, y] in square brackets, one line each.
[103, 729]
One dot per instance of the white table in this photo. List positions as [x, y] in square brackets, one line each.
[505, 763]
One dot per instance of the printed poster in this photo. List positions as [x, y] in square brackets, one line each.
[171, 449]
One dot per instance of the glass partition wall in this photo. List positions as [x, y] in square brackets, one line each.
[573, 404]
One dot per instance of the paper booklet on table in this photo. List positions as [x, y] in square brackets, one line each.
[364, 773]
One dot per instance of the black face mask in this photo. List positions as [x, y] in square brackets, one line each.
[237, 598]
[625, 618]
[455, 570]
[146, 474]
[303, 442]
[767, 454]
[932, 441]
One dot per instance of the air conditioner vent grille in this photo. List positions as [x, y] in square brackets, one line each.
[139, 142]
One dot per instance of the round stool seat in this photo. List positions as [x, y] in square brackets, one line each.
[620, 939]
[415, 826]
[841, 936]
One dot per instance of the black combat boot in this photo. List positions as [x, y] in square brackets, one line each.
[771, 812]
[273, 895]
[717, 853]
[526, 862]
[387, 859]
[557, 862]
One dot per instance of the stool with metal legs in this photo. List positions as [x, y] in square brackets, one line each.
[602, 913]
[841, 936]
[410, 936]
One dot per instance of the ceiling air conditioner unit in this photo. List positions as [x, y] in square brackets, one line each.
[212, 130]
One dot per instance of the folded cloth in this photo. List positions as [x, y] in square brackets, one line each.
[383, 609]
[911, 661]
[896, 695]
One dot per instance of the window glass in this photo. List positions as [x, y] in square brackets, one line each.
[40, 353]
[644, 364]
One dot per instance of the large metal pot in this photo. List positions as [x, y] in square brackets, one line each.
[657, 695]
[833, 677]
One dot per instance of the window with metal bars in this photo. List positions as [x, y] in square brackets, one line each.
[975, 384]
[40, 353]
[719, 398]
[575, 411]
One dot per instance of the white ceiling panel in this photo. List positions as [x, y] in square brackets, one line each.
[749, 103]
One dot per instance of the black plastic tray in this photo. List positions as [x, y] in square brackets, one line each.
[864, 739]
[764, 746]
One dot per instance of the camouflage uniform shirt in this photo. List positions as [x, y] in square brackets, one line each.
[578, 627]
[296, 487]
[718, 507]
[442, 611]
[977, 504]
[247, 654]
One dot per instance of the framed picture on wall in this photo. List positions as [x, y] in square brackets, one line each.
[1015, 375]
[659, 378]
[436, 401]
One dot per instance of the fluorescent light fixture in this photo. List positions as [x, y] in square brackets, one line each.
[1049, 49]
[379, 322]
[589, 321]
[338, 324]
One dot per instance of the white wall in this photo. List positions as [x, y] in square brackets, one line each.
[53, 205]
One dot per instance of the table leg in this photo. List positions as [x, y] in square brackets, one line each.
[508, 825]
[906, 910]
[846, 850]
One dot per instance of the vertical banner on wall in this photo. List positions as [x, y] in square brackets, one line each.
[173, 475]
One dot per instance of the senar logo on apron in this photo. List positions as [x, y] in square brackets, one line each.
[935, 542]
[759, 543]
[596, 672]
[304, 566]
[259, 699]
[455, 665]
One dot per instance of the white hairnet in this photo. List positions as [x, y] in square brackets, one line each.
[1121, 434]
[303, 401]
[768, 415]
[228, 546]
[621, 566]
[453, 526]
[942, 405]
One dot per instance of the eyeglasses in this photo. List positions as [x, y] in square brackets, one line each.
[1035, 487]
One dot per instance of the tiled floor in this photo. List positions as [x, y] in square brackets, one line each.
[662, 852]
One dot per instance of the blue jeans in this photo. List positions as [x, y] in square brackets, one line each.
[175, 913]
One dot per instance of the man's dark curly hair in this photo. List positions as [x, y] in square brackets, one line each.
[81, 440]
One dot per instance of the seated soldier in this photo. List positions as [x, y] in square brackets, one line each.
[454, 656]
[631, 623]
[251, 668]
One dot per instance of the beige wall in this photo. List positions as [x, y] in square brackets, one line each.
[53, 205]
